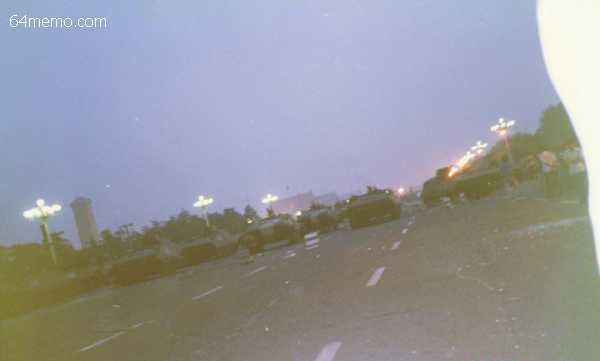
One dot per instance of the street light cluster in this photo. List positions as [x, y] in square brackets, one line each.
[501, 128]
[203, 203]
[269, 200]
[471, 154]
[41, 210]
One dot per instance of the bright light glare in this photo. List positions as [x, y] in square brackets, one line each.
[464, 161]
[502, 126]
[269, 199]
[203, 202]
[401, 190]
[42, 210]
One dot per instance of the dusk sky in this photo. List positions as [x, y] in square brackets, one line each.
[235, 99]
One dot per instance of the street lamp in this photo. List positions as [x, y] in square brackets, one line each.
[461, 164]
[479, 147]
[269, 200]
[501, 128]
[43, 212]
[203, 204]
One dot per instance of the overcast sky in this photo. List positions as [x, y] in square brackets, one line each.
[239, 98]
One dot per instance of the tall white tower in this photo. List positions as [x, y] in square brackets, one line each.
[86, 223]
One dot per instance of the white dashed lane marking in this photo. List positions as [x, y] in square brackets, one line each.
[375, 277]
[255, 271]
[312, 247]
[289, 255]
[328, 352]
[207, 293]
[396, 245]
[311, 235]
[100, 342]
[312, 242]
[139, 324]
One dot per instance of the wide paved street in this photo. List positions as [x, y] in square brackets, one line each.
[497, 279]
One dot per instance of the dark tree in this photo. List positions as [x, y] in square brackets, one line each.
[555, 128]
[114, 246]
[233, 221]
[250, 213]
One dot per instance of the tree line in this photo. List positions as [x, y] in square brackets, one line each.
[25, 261]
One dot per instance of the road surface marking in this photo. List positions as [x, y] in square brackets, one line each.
[256, 271]
[396, 245]
[100, 342]
[375, 277]
[404, 230]
[207, 293]
[569, 202]
[140, 324]
[540, 227]
[328, 352]
[289, 255]
[312, 247]
[479, 281]
[312, 242]
[311, 235]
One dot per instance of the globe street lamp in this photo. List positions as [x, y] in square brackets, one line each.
[203, 204]
[269, 200]
[479, 147]
[461, 164]
[43, 212]
[501, 128]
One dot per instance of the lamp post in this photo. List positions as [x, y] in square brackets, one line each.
[479, 147]
[461, 164]
[501, 128]
[269, 200]
[43, 212]
[203, 203]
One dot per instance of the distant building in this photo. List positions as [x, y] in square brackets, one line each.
[293, 204]
[303, 201]
[86, 223]
[327, 199]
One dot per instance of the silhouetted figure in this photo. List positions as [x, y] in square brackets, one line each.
[506, 173]
[552, 188]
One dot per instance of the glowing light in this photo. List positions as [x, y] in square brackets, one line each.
[41, 210]
[203, 202]
[298, 214]
[479, 147]
[502, 126]
[462, 163]
[269, 199]
[401, 191]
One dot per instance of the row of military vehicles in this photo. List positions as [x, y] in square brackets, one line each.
[475, 182]
[167, 257]
[359, 211]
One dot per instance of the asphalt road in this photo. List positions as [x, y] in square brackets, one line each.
[498, 279]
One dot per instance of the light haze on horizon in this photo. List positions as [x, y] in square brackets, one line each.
[236, 99]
